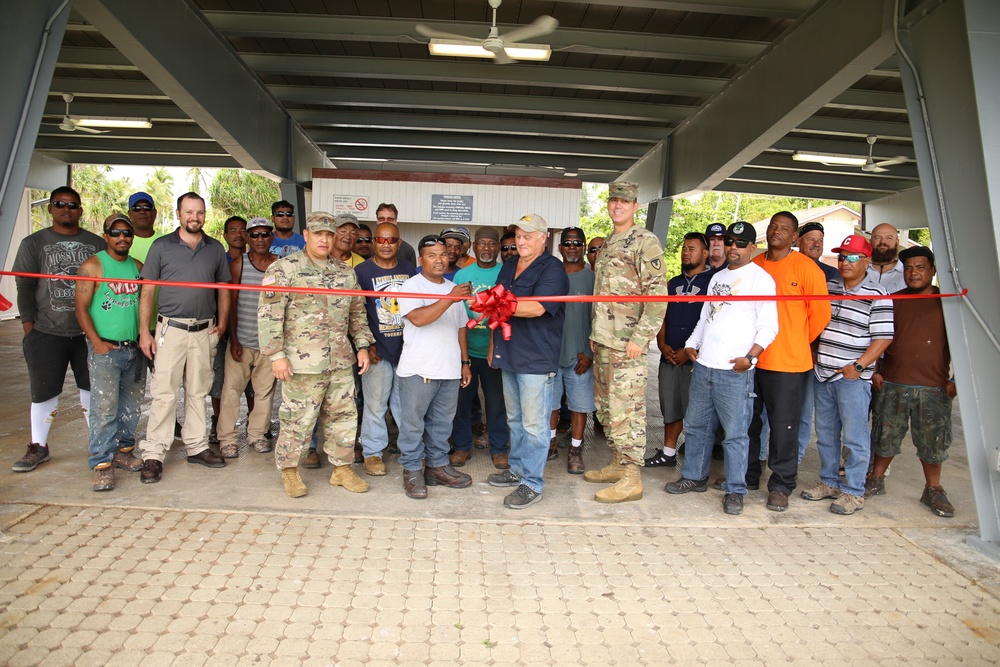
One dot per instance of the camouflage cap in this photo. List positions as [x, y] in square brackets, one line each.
[320, 221]
[259, 222]
[532, 223]
[624, 191]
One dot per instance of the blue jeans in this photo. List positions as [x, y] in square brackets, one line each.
[528, 413]
[718, 397]
[842, 412]
[806, 419]
[496, 412]
[428, 410]
[381, 391]
[115, 399]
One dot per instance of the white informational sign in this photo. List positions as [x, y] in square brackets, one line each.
[355, 204]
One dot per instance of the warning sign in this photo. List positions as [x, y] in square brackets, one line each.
[355, 204]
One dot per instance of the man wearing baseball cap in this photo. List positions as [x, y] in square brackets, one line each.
[142, 213]
[858, 334]
[715, 233]
[458, 241]
[347, 229]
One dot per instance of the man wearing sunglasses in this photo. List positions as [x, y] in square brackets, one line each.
[108, 313]
[363, 243]
[142, 213]
[593, 250]
[286, 241]
[245, 363]
[508, 248]
[858, 334]
[725, 345]
[53, 340]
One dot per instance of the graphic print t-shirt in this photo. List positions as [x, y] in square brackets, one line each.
[384, 319]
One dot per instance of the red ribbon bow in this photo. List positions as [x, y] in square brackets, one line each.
[498, 305]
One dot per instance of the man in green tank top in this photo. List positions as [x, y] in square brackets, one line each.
[108, 313]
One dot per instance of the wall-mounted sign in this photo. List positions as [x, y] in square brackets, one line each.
[350, 204]
[451, 208]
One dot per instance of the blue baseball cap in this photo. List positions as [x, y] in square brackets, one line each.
[140, 196]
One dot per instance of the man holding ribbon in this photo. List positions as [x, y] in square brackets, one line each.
[529, 359]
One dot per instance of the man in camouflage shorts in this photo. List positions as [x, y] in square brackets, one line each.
[914, 385]
[306, 337]
[630, 263]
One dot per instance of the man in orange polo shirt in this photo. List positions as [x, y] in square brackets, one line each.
[783, 368]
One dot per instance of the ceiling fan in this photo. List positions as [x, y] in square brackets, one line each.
[871, 166]
[71, 124]
[503, 49]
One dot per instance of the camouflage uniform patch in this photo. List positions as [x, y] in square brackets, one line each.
[620, 393]
[928, 412]
[329, 396]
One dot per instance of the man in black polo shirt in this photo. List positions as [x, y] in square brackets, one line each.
[530, 359]
[184, 336]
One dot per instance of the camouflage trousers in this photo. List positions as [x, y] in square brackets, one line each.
[620, 394]
[926, 410]
[306, 397]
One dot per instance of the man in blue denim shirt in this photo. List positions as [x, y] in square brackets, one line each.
[530, 359]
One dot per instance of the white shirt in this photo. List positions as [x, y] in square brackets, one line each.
[728, 329]
[431, 351]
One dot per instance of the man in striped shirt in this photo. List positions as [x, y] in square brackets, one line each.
[858, 333]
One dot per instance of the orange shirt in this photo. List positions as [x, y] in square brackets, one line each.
[799, 322]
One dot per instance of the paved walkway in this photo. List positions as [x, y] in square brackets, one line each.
[220, 567]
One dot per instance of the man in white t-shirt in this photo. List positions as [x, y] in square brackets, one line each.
[433, 365]
[724, 346]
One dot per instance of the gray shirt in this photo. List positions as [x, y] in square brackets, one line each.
[173, 260]
[576, 326]
[50, 304]
[891, 280]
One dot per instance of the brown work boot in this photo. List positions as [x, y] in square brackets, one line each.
[847, 504]
[935, 498]
[104, 477]
[553, 450]
[874, 486]
[777, 501]
[293, 483]
[446, 476]
[574, 461]
[609, 473]
[628, 487]
[413, 484]
[126, 459]
[344, 475]
[375, 466]
[459, 457]
[500, 461]
[312, 460]
[820, 492]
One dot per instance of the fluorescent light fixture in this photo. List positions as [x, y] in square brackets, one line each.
[450, 47]
[110, 121]
[830, 159]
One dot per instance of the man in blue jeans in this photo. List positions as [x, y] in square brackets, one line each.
[858, 334]
[530, 359]
[108, 313]
[724, 346]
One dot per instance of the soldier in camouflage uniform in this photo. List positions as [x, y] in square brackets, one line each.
[306, 338]
[630, 263]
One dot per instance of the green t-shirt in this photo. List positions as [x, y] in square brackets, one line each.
[481, 279]
[115, 306]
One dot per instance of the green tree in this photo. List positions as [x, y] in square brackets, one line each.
[160, 185]
[100, 195]
[239, 192]
[198, 180]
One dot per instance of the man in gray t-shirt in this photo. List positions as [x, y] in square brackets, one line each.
[53, 340]
[576, 377]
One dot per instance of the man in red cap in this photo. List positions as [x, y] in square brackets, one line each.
[858, 333]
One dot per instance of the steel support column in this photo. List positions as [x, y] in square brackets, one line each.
[948, 58]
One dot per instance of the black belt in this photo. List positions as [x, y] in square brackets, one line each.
[121, 343]
[190, 328]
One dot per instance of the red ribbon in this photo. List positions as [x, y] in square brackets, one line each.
[498, 305]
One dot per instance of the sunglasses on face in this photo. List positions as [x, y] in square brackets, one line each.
[143, 207]
[71, 205]
[740, 243]
[115, 233]
[508, 248]
[591, 251]
[259, 235]
[283, 214]
[850, 259]
[364, 239]
[386, 240]
[572, 244]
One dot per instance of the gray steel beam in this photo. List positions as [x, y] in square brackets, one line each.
[31, 35]
[806, 192]
[172, 44]
[859, 181]
[593, 176]
[84, 87]
[855, 127]
[955, 48]
[144, 159]
[775, 8]
[849, 147]
[826, 51]
[571, 162]
[155, 112]
[96, 144]
[785, 161]
[183, 131]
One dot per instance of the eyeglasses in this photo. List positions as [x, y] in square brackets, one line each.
[591, 251]
[508, 248]
[283, 214]
[489, 243]
[143, 207]
[71, 205]
[850, 259]
[259, 235]
[386, 240]
[572, 244]
[364, 239]
[740, 243]
[384, 218]
[115, 233]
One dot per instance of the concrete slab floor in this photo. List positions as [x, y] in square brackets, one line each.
[221, 567]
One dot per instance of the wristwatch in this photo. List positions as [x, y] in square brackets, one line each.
[752, 358]
[466, 362]
[858, 367]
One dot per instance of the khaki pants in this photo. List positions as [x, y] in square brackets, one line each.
[256, 368]
[181, 355]
[306, 397]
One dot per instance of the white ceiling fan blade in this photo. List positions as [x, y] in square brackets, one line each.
[67, 124]
[431, 33]
[501, 58]
[899, 159]
[91, 130]
[541, 26]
